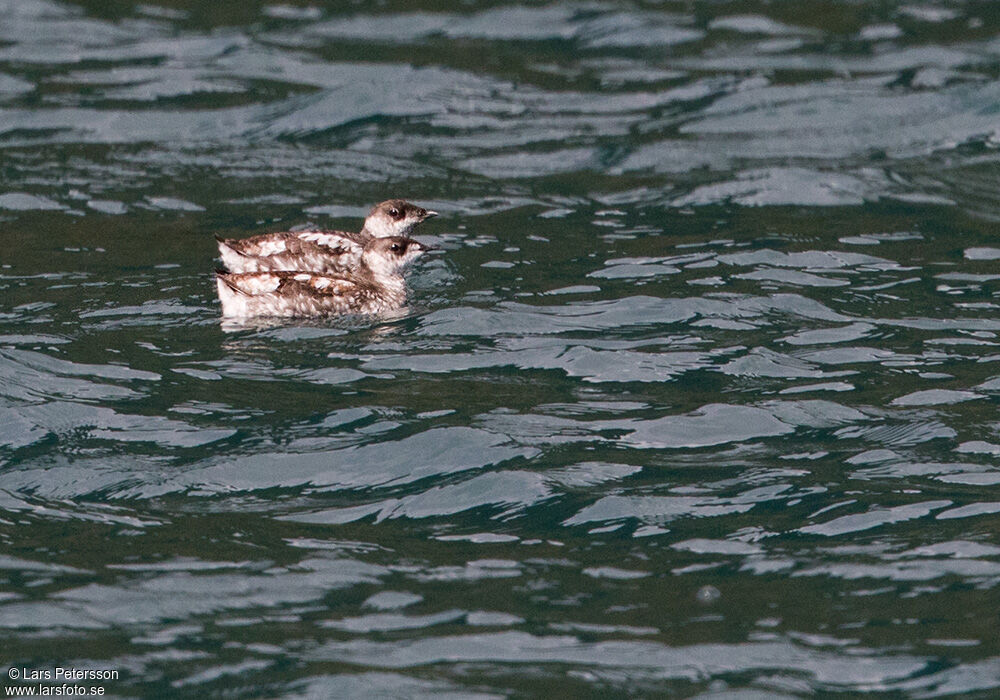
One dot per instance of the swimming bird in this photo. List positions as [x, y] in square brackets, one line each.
[320, 251]
[375, 285]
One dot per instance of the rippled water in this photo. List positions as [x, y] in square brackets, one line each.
[700, 399]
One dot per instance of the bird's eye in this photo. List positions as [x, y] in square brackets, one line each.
[395, 213]
[396, 248]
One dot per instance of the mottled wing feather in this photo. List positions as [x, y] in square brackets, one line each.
[268, 244]
[325, 285]
[253, 283]
[256, 283]
[292, 293]
[319, 251]
[260, 246]
[336, 241]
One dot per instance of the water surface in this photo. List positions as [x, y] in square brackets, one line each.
[700, 399]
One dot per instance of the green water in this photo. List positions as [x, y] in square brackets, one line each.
[699, 400]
